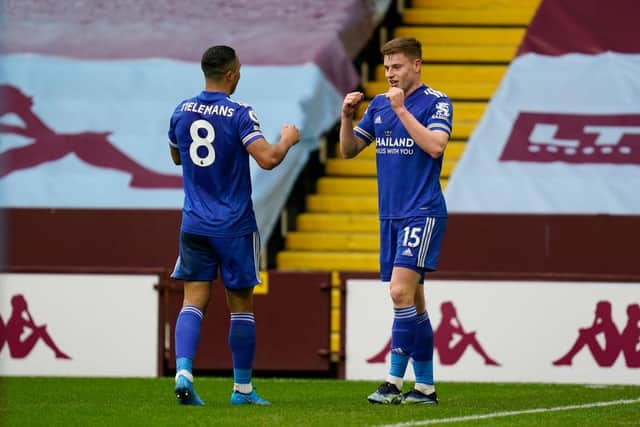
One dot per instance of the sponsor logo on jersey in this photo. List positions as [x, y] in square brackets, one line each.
[407, 252]
[574, 138]
[377, 120]
[442, 111]
[394, 142]
[254, 117]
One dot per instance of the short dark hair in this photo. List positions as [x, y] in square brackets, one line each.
[217, 60]
[409, 46]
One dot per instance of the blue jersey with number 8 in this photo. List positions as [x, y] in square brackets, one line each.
[211, 131]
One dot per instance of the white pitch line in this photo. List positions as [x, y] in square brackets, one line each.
[511, 413]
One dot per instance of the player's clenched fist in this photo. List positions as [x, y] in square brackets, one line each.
[351, 102]
[395, 95]
[290, 133]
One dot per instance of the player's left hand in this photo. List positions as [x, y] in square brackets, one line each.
[290, 133]
[395, 95]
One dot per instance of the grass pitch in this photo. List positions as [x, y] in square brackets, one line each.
[296, 402]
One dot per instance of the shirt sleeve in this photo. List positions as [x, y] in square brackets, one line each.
[364, 129]
[249, 126]
[440, 116]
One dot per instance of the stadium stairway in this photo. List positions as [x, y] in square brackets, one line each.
[467, 47]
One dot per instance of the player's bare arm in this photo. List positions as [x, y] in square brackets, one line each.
[175, 155]
[433, 142]
[268, 156]
[350, 145]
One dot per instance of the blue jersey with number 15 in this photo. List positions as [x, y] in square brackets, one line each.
[211, 131]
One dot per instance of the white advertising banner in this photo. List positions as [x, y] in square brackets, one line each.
[500, 331]
[560, 135]
[78, 325]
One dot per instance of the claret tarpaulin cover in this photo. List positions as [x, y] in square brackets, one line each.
[88, 88]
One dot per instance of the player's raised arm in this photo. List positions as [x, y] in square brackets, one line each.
[268, 156]
[433, 142]
[350, 145]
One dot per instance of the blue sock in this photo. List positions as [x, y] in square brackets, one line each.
[242, 340]
[184, 363]
[403, 334]
[423, 350]
[399, 364]
[187, 333]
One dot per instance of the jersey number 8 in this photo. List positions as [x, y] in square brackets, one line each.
[197, 141]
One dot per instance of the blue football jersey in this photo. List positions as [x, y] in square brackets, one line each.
[211, 131]
[408, 177]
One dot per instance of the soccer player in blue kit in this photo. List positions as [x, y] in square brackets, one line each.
[410, 126]
[212, 136]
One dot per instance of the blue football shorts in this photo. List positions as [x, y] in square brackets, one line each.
[412, 243]
[237, 257]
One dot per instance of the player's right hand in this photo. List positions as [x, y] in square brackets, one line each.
[290, 133]
[351, 102]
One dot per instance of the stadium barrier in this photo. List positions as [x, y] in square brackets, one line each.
[498, 327]
[120, 323]
[293, 325]
[81, 324]
[536, 330]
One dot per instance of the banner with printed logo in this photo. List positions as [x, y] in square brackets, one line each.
[78, 325]
[60, 142]
[85, 99]
[561, 135]
[495, 331]
[562, 132]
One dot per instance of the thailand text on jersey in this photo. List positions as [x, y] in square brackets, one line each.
[408, 177]
[211, 132]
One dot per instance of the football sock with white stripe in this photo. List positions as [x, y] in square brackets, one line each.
[242, 341]
[423, 354]
[187, 334]
[402, 339]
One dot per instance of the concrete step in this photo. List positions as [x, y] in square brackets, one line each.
[337, 222]
[469, 53]
[342, 203]
[477, 4]
[472, 16]
[449, 37]
[332, 241]
[327, 261]
[347, 186]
